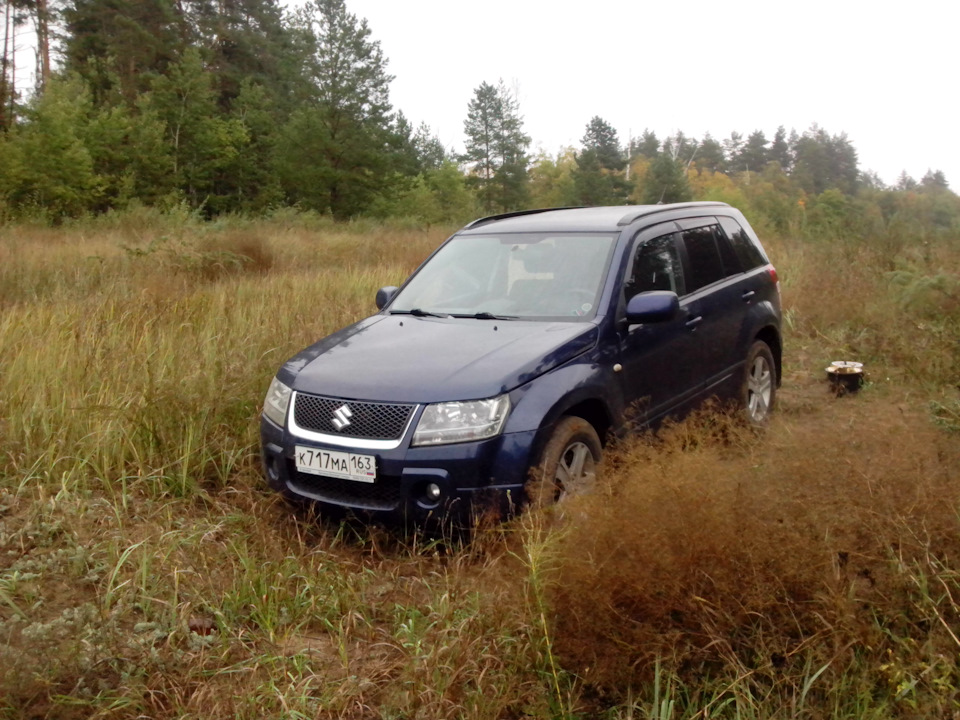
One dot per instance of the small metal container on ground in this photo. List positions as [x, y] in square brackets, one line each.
[845, 376]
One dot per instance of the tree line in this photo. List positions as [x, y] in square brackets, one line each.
[239, 106]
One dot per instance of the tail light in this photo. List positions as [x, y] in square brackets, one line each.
[772, 271]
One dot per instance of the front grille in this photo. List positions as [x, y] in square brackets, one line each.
[381, 495]
[372, 421]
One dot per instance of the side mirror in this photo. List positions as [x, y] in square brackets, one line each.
[385, 295]
[653, 306]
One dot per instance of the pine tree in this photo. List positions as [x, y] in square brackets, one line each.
[496, 148]
[246, 41]
[753, 155]
[934, 180]
[647, 146]
[12, 19]
[710, 155]
[120, 46]
[343, 131]
[905, 182]
[666, 182]
[430, 152]
[780, 150]
[416, 150]
[823, 161]
[248, 181]
[601, 138]
[512, 148]
[484, 114]
[598, 178]
[41, 15]
[416, 156]
[731, 148]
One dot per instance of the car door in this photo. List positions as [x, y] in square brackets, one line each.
[659, 359]
[718, 298]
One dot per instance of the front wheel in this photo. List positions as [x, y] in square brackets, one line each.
[568, 463]
[758, 389]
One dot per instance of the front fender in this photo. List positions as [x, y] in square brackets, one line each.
[539, 403]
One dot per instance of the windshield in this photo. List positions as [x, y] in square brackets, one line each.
[522, 276]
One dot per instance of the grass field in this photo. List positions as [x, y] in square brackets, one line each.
[810, 571]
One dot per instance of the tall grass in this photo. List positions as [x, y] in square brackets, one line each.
[145, 572]
[149, 362]
[794, 566]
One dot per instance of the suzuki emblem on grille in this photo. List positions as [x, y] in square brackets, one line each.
[341, 417]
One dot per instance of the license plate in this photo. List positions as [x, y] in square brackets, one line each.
[331, 463]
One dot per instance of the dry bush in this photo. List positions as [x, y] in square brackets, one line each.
[723, 554]
[209, 258]
[239, 251]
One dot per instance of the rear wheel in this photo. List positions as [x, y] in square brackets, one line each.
[758, 390]
[568, 463]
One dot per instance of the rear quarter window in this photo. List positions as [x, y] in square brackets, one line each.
[749, 254]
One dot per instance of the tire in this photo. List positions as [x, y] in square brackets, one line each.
[567, 464]
[758, 389]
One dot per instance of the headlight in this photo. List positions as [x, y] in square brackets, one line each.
[453, 422]
[277, 401]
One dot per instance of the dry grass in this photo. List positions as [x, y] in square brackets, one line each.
[810, 571]
[899, 312]
[762, 558]
[300, 618]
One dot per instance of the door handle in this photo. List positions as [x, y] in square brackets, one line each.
[748, 294]
[693, 322]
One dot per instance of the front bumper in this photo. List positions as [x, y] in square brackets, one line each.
[472, 477]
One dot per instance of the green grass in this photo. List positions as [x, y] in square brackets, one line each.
[145, 571]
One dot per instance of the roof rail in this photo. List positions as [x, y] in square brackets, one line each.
[516, 213]
[654, 209]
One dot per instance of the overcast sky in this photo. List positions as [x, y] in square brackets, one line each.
[886, 74]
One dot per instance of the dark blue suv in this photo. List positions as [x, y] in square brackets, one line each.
[494, 375]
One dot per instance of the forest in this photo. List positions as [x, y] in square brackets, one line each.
[246, 107]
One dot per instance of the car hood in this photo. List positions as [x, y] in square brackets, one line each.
[393, 358]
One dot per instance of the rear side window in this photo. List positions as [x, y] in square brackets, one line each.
[731, 263]
[747, 252]
[656, 266]
[704, 264]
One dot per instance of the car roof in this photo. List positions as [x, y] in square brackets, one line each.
[584, 219]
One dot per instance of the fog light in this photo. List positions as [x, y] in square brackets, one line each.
[433, 491]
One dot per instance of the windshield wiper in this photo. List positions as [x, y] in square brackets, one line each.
[483, 315]
[419, 312]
